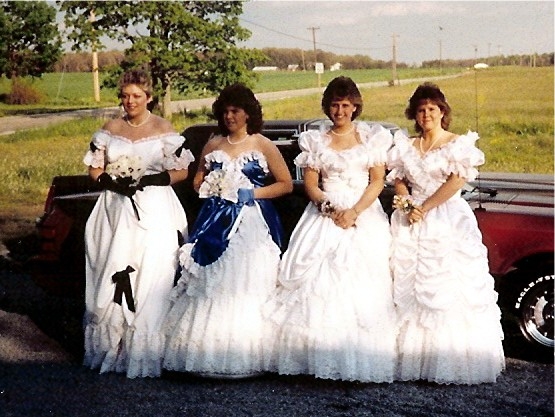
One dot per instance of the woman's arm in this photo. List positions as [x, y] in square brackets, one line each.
[201, 169]
[276, 164]
[347, 218]
[447, 190]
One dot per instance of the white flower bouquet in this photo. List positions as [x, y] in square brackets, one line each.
[126, 170]
[224, 184]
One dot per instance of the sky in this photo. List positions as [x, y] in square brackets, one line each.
[422, 31]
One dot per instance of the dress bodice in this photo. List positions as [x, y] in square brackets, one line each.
[251, 163]
[157, 153]
[344, 168]
[426, 173]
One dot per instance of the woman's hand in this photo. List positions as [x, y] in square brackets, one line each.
[345, 218]
[416, 214]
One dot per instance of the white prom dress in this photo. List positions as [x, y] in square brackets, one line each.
[215, 327]
[450, 330]
[332, 315]
[123, 323]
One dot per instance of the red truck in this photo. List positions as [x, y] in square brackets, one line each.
[514, 213]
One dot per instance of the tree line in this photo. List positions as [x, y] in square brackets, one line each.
[185, 46]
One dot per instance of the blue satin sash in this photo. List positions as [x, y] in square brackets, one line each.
[217, 217]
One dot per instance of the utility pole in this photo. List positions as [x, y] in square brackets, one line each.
[394, 60]
[96, 84]
[440, 51]
[314, 29]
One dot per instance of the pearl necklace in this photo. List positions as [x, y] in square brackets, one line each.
[429, 147]
[238, 142]
[343, 134]
[138, 124]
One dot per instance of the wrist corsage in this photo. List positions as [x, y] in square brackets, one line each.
[325, 207]
[405, 203]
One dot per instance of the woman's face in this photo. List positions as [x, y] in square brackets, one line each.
[134, 100]
[235, 118]
[428, 115]
[341, 111]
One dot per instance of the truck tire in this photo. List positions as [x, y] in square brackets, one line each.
[534, 308]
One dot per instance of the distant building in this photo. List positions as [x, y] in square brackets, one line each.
[335, 67]
[265, 68]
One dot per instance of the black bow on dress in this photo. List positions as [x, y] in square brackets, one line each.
[123, 286]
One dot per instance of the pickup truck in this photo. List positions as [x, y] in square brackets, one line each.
[514, 213]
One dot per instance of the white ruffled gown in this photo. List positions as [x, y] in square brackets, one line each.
[333, 315]
[215, 327]
[116, 337]
[450, 330]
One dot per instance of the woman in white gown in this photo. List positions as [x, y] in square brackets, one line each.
[333, 315]
[215, 327]
[132, 235]
[450, 329]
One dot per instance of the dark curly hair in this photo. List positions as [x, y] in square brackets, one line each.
[341, 88]
[138, 77]
[424, 93]
[238, 95]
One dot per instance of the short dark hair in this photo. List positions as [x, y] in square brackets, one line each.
[238, 95]
[341, 88]
[428, 92]
[137, 77]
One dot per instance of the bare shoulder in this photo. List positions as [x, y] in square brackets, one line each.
[213, 143]
[113, 125]
[264, 143]
[162, 125]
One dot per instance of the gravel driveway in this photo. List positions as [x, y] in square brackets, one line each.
[41, 376]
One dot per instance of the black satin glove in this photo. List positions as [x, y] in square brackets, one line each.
[161, 179]
[107, 183]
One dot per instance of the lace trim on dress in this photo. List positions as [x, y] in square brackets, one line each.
[460, 157]
[178, 162]
[146, 138]
[224, 158]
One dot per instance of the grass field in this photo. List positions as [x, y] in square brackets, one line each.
[75, 90]
[512, 111]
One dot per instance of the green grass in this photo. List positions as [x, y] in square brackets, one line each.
[515, 123]
[64, 91]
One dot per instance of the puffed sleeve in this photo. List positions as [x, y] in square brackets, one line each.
[395, 154]
[463, 157]
[377, 140]
[176, 156]
[309, 143]
[95, 156]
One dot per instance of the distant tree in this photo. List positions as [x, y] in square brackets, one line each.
[29, 39]
[186, 45]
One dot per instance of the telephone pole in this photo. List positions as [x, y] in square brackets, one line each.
[96, 84]
[314, 29]
[394, 60]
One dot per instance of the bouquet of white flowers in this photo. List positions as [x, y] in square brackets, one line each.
[224, 184]
[126, 172]
[126, 169]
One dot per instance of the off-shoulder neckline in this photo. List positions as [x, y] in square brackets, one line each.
[144, 139]
[254, 152]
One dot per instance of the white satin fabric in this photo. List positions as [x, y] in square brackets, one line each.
[450, 329]
[332, 315]
[116, 338]
[215, 326]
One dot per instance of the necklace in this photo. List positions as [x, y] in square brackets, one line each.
[238, 142]
[429, 147]
[343, 134]
[138, 124]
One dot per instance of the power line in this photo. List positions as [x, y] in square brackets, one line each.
[309, 40]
